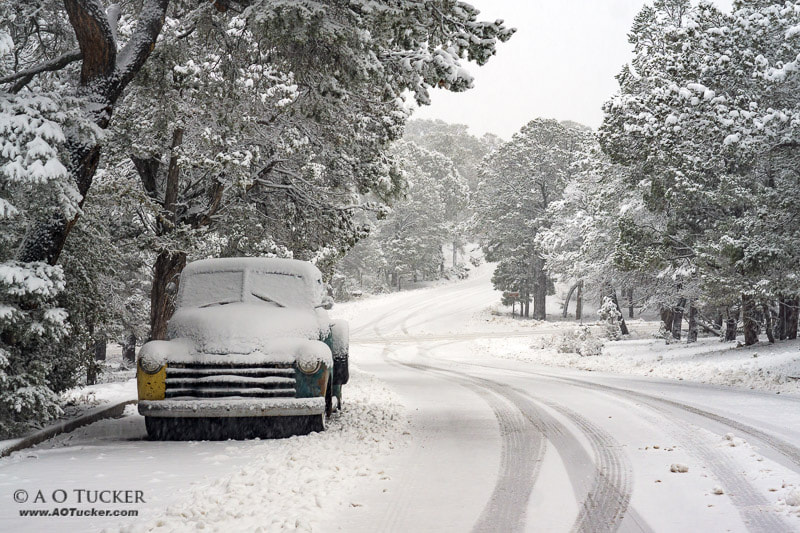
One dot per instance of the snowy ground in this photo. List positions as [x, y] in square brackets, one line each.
[116, 383]
[459, 420]
[285, 484]
[762, 367]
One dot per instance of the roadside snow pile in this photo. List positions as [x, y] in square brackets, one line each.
[101, 393]
[295, 483]
[580, 341]
[762, 366]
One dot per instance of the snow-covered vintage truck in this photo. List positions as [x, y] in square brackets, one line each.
[251, 352]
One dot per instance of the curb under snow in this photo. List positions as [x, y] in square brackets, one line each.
[90, 417]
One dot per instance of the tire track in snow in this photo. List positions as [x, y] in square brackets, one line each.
[753, 507]
[602, 485]
[604, 501]
[611, 495]
[788, 450]
[784, 448]
[522, 452]
[461, 296]
[409, 311]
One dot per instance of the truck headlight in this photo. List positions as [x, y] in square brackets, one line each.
[149, 365]
[309, 366]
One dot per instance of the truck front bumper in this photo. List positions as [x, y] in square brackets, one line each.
[232, 407]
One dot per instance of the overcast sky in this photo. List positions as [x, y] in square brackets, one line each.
[560, 64]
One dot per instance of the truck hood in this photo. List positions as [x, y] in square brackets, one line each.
[243, 327]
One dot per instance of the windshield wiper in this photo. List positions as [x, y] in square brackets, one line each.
[218, 303]
[267, 299]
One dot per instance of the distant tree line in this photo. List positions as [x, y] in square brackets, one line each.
[440, 164]
[688, 198]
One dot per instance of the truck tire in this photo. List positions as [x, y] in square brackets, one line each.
[341, 369]
[329, 398]
[340, 348]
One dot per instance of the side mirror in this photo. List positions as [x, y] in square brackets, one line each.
[327, 302]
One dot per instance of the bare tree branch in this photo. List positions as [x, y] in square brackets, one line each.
[25, 76]
[138, 48]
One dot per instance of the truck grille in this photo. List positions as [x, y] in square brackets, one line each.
[197, 380]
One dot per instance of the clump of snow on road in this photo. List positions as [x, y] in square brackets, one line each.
[295, 483]
[793, 498]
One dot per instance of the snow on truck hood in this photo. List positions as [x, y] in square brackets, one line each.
[247, 331]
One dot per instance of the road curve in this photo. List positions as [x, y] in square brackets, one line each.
[588, 472]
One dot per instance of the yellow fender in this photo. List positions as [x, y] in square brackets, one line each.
[151, 386]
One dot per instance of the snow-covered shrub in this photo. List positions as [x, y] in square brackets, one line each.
[31, 325]
[457, 272]
[610, 315]
[579, 341]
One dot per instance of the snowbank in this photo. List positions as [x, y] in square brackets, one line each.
[101, 393]
[762, 366]
[295, 484]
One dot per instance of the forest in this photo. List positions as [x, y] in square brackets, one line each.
[140, 136]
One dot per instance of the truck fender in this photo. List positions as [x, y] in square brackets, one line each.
[340, 348]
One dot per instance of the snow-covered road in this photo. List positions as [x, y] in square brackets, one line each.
[442, 434]
[502, 445]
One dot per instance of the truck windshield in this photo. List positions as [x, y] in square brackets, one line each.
[211, 288]
[284, 290]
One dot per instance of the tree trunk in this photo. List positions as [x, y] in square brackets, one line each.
[768, 323]
[166, 278]
[46, 236]
[527, 302]
[783, 323]
[691, 336]
[749, 320]
[540, 294]
[730, 326]
[630, 302]
[791, 320]
[579, 301]
[455, 254]
[667, 316]
[129, 348]
[565, 311]
[623, 327]
[677, 319]
[100, 346]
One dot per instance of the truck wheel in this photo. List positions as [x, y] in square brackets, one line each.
[341, 369]
[329, 398]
